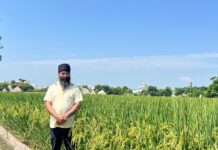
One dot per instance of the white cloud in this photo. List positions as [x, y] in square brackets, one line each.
[204, 55]
[156, 70]
[191, 61]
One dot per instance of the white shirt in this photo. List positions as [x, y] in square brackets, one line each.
[62, 102]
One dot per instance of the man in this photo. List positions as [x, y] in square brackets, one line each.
[62, 101]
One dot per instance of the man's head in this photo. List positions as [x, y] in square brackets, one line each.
[64, 74]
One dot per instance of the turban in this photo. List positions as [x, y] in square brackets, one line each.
[63, 67]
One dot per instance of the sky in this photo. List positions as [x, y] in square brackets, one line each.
[114, 42]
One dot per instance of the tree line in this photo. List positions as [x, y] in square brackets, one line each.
[25, 87]
[210, 91]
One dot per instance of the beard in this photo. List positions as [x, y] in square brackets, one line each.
[64, 81]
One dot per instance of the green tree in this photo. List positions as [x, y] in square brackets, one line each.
[152, 91]
[117, 91]
[165, 92]
[113, 90]
[126, 90]
[105, 88]
[85, 86]
[13, 84]
[213, 88]
[145, 93]
[197, 91]
[25, 87]
[3, 86]
[179, 91]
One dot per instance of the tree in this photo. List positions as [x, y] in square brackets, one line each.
[85, 86]
[105, 88]
[213, 88]
[152, 91]
[0, 48]
[117, 91]
[180, 91]
[113, 90]
[127, 90]
[165, 92]
[3, 86]
[26, 87]
[197, 91]
[145, 93]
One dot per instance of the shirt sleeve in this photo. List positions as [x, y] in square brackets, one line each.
[78, 96]
[48, 95]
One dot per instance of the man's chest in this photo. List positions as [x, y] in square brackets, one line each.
[67, 95]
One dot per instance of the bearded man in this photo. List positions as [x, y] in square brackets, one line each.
[62, 101]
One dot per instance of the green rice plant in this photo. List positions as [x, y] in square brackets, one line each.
[118, 122]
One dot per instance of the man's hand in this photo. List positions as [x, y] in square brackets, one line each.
[61, 119]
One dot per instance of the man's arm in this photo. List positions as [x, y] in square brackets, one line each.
[60, 118]
[73, 110]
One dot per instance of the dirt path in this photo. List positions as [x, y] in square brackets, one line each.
[7, 138]
[4, 146]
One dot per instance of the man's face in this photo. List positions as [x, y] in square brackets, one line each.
[64, 74]
[64, 78]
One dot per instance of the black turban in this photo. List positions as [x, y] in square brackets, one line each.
[63, 67]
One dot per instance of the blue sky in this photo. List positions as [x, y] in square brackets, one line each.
[165, 43]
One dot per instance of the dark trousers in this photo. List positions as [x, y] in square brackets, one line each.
[61, 134]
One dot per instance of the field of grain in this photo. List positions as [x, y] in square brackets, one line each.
[118, 122]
